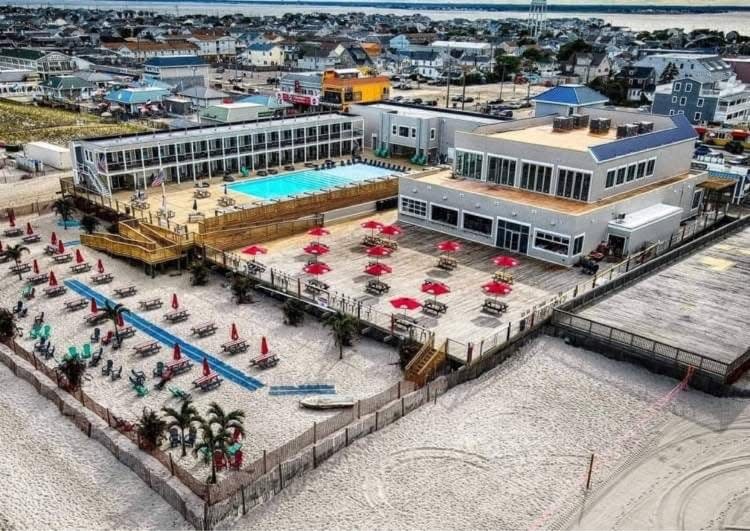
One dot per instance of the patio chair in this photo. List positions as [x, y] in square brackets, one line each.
[96, 358]
[96, 336]
[191, 436]
[49, 352]
[159, 369]
[236, 463]
[72, 352]
[35, 331]
[18, 307]
[47, 331]
[116, 373]
[39, 318]
[174, 438]
[28, 292]
[41, 344]
[220, 460]
[107, 369]
[86, 351]
[141, 390]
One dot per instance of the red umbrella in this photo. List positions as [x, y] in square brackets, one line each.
[52, 279]
[206, 368]
[94, 308]
[264, 346]
[29, 229]
[505, 261]
[176, 353]
[318, 231]
[100, 266]
[372, 224]
[120, 320]
[449, 246]
[435, 288]
[496, 288]
[175, 302]
[405, 303]
[53, 239]
[391, 230]
[234, 334]
[11, 217]
[254, 250]
[379, 251]
[79, 257]
[316, 249]
[60, 247]
[317, 268]
[378, 269]
[35, 266]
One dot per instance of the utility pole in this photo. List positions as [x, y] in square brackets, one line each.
[448, 79]
[463, 88]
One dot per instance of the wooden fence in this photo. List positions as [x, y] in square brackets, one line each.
[232, 238]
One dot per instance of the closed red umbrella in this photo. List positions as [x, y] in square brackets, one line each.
[52, 279]
[449, 246]
[100, 266]
[391, 230]
[496, 288]
[317, 268]
[254, 250]
[505, 261]
[175, 302]
[94, 308]
[11, 217]
[176, 353]
[405, 303]
[53, 239]
[35, 267]
[79, 257]
[29, 229]
[372, 225]
[120, 320]
[316, 249]
[206, 368]
[379, 251]
[234, 334]
[378, 269]
[264, 346]
[1, 247]
[435, 288]
[60, 246]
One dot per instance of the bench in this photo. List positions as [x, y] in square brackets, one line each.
[20, 268]
[265, 361]
[50, 249]
[96, 318]
[31, 238]
[403, 322]
[208, 382]
[235, 347]
[147, 348]
[447, 263]
[62, 258]
[316, 286]
[13, 232]
[254, 268]
[179, 366]
[376, 287]
[76, 304]
[196, 217]
[102, 278]
[150, 304]
[201, 193]
[177, 316]
[204, 329]
[126, 331]
[126, 291]
[80, 268]
[502, 276]
[140, 205]
[435, 308]
[38, 279]
[226, 201]
[54, 291]
[494, 306]
[168, 214]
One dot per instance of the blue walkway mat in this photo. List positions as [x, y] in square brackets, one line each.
[191, 351]
[304, 389]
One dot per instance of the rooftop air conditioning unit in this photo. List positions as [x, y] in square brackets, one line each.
[645, 127]
[599, 125]
[580, 120]
[563, 123]
[622, 131]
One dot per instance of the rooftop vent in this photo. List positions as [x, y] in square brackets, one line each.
[580, 120]
[600, 126]
[645, 127]
[627, 130]
[563, 123]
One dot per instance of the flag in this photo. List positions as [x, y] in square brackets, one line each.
[101, 164]
[159, 179]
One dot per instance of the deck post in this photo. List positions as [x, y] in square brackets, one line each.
[265, 463]
[315, 432]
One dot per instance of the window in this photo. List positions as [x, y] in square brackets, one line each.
[641, 170]
[697, 199]
[610, 179]
[688, 87]
[620, 175]
[671, 112]
[394, 130]
[631, 172]
[574, 184]
[674, 99]
[403, 131]
[414, 132]
[677, 87]
[681, 112]
[536, 177]
[476, 223]
[440, 214]
[413, 207]
[650, 167]
[697, 117]
[469, 164]
[554, 243]
[501, 170]
[432, 134]
[683, 101]
[578, 245]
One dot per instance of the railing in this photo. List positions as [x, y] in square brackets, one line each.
[232, 238]
[116, 246]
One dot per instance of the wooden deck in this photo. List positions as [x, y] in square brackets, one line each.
[415, 261]
[698, 304]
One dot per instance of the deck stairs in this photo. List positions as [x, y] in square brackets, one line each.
[425, 363]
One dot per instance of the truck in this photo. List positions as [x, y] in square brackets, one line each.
[51, 155]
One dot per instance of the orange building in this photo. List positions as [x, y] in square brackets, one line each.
[340, 88]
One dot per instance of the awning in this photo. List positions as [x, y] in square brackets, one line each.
[717, 185]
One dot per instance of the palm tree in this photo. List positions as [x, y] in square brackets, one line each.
[113, 314]
[14, 252]
[63, 209]
[209, 442]
[226, 421]
[198, 273]
[343, 329]
[241, 288]
[73, 369]
[8, 327]
[294, 312]
[150, 428]
[89, 223]
[182, 419]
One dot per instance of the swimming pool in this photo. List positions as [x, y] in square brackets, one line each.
[299, 182]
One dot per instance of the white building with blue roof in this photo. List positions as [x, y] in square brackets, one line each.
[133, 99]
[554, 188]
[566, 100]
[187, 70]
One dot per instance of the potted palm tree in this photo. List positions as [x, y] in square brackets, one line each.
[198, 273]
[63, 208]
[343, 329]
[89, 223]
[8, 327]
[15, 252]
[114, 313]
[150, 429]
[294, 312]
[182, 419]
[242, 287]
[231, 420]
[72, 369]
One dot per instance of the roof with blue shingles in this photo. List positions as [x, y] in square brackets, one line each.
[136, 95]
[175, 61]
[571, 95]
[682, 131]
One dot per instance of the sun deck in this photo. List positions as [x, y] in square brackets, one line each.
[542, 135]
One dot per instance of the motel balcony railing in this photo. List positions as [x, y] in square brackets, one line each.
[217, 152]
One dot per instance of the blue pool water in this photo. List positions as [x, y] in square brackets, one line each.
[299, 182]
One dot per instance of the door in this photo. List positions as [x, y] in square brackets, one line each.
[512, 236]
[374, 141]
[617, 245]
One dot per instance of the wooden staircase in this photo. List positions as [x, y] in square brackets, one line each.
[426, 362]
[146, 243]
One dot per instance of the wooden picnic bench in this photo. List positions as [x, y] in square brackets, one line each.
[176, 316]
[101, 278]
[448, 263]
[140, 205]
[316, 286]
[50, 249]
[208, 382]
[96, 318]
[126, 331]
[204, 329]
[126, 291]
[147, 348]
[38, 279]
[376, 287]
[54, 291]
[403, 321]
[433, 307]
[62, 258]
[13, 232]
[255, 267]
[201, 193]
[195, 217]
[20, 268]
[76, 304]
[503, 276]
[494, 306]
[168, 214]
[226, 201]
[31, 238]
[179, 366]
[235, 346]
[80, 268]
[150, 304]
[264, 361]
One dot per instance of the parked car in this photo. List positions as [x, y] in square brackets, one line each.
[418, 101]
[702, 150]
[397, 98]
[506, 114]
[431, 103]
[403, 86]
[513, 104]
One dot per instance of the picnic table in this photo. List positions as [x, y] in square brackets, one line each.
[161, 213]
[179, 366]
[54, 291]
[96, 318]
[139, 204]
[226, 201]
[447, 263]
[31, 238]
[316, 286]
[126, 291]
[20, 268]
[434, 307]
[376, 287]
[494, 306]
[76, 304]
[150, 304]
[50, 249]
[38, 279]
[126, 331]
[403, 321]
[264, 361]
[62, 258]
[503, 276]
[254, 267]
[101, 278]
[195, 217]
[204, 329]
[235, 346]
[208, 382]
[201, 193]
[13, 232]
[80, 268]
[147, 348]
[176, 316]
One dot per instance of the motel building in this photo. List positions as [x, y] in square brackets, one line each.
[108, 164]
[555, 187]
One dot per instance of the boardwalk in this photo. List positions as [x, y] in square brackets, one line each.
[699, 304]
